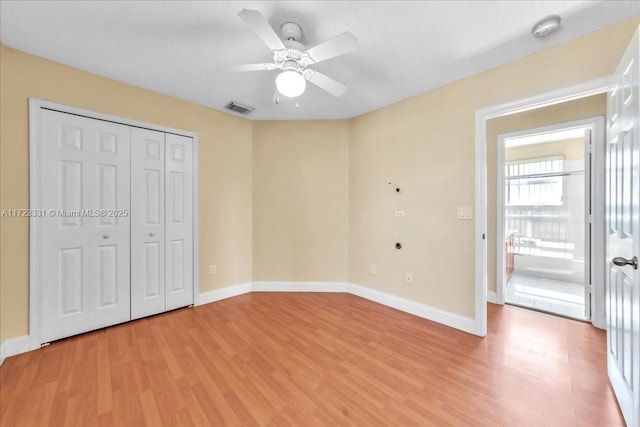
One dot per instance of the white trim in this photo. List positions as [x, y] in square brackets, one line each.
[501, 255]
[14, 346]
[465, 324]
[456, 321]
[299, 287]
[35, 202]
[545, 99]
[35, 297]
[41, 103]
[481, 230]
[492, 297]
[570, 93]
[224, 293]
[598, 218]
[196, 228]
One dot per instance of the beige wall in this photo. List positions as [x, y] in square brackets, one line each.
[225, 167]
[426, 145]
[300, 200]
[575, 110]
[570, 149]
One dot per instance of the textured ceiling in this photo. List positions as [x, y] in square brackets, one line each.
[405, 47]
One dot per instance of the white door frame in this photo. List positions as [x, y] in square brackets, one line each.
[595, 258]
[35, 203]
[570, 93]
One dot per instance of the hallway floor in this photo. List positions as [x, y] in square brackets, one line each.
[553, 296]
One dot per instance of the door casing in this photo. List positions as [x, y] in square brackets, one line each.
[570, 93]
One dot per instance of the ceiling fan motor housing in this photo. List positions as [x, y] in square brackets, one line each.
[291, 31]
[293, 58]
[291, 65]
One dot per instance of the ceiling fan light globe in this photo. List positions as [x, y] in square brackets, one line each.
[290, 84]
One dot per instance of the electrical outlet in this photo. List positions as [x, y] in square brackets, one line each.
[398, 214]
[373, 270]
[408, 277]
[212, 270]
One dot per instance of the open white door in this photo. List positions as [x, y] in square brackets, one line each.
[623, 235]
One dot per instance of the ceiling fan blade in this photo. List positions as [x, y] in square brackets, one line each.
[339, 45]
[261, 27]
[327, 83]
[267, 66]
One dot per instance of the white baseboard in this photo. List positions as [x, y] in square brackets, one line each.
[492, 297]
[19, 345]
[299, 287]
[465, 324]
[220, 294]
[13, 346]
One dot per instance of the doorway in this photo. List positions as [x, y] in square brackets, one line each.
[546, 190]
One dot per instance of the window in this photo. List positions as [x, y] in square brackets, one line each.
[534, 182]
[535, 206]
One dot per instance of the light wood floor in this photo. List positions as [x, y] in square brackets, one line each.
[317, 360]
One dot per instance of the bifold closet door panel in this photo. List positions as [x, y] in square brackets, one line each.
[147, 222]
[84, 188]
[179, 220]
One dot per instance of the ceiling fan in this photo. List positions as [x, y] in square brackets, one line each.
[290, 56]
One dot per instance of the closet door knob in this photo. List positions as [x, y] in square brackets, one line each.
[105, 236]
[152, 234]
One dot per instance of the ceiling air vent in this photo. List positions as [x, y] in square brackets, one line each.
[239, 108]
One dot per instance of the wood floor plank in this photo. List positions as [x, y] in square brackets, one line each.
[210, 406]
[151, 411]
[194, 411]
[308, 359]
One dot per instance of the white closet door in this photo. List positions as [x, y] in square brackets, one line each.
[147, 223]
[85, 235]
[179, 221]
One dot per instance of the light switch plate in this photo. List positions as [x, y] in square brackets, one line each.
[465, 212]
